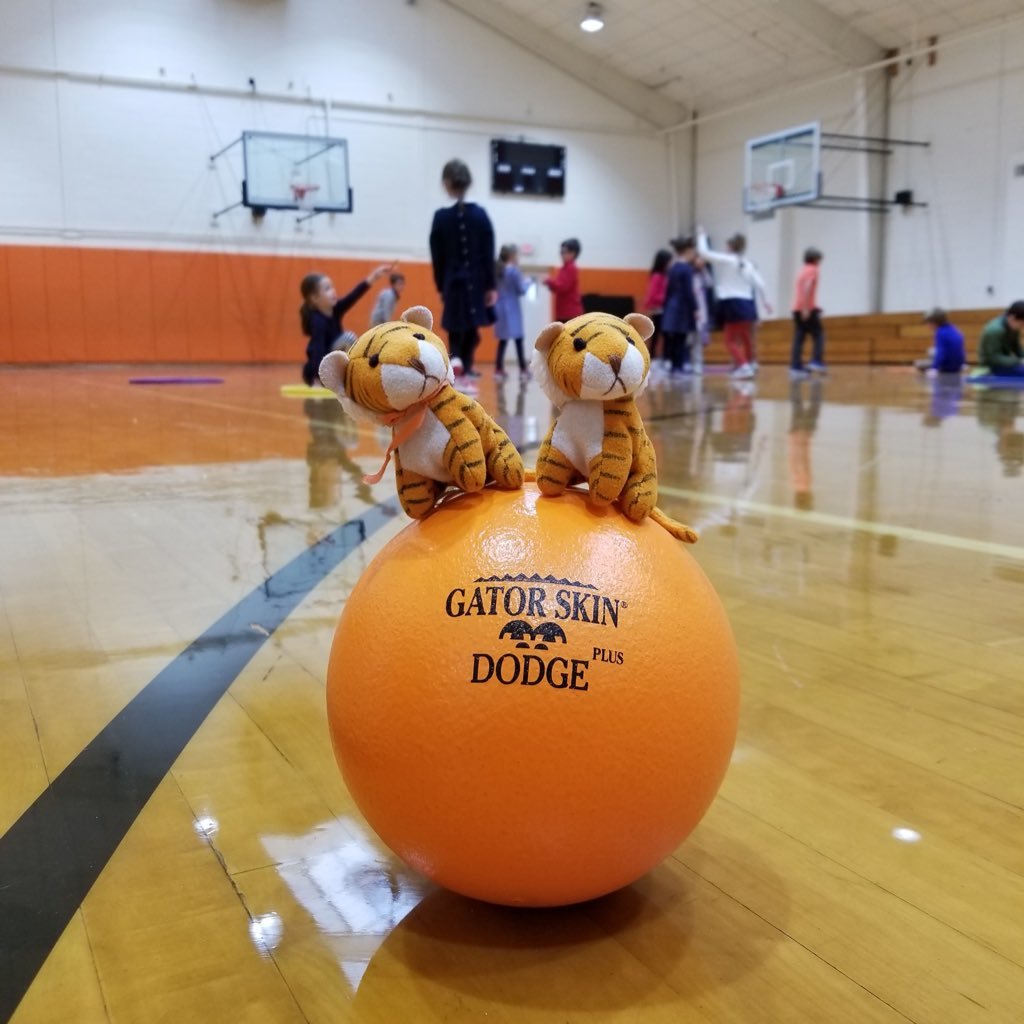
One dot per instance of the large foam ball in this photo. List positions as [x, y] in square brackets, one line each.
[531, 702]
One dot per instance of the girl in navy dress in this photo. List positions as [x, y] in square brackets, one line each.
[462, 254]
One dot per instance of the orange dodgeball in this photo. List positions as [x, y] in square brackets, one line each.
[533, 702]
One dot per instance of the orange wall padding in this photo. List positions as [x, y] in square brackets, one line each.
[62, 304]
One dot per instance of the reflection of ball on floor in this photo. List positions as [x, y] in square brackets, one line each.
[533, 702]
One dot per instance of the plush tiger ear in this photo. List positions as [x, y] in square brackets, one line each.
[643, 325]
[332, 371]
[546, 338]
[419, 315]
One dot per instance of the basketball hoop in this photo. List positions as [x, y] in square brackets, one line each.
[305, 195]
[763, 195]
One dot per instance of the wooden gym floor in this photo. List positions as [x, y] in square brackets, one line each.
[176, 843]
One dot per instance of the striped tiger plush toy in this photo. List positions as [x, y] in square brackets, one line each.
[592, 368]
[399, 374]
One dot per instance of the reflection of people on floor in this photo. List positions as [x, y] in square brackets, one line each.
[681, 435]
[802, 424]
[947, 390]
[997, 410]
[513, 423]
[733, 443]
[331, 432]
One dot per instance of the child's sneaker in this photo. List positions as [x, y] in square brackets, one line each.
[819, 368]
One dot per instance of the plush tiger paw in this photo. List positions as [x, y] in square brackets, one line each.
[554, 472]
[417, 493]
[640, 495]
[505, 466]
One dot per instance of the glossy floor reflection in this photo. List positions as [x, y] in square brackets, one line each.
[863, 861]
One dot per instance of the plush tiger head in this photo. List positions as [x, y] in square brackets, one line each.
[390, 368]
[596, 357]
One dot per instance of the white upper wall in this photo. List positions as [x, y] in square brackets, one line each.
[110, 111]
[965, 249]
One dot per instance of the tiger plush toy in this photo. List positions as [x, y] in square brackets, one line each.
[592, 368]
[399, 374]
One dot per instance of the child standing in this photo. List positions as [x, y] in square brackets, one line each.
[680, 319]
[508, 309]
[565, 282]
[462, 257]
[654, 300]
[320, 315]
[739, 287]
[387, 299]
[807, 317]
[703, 291]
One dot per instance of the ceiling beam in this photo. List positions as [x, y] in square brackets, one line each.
[847, 44]
[628, 93]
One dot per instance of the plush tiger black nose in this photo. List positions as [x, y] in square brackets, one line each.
[374, 360]
[579, 344]
[615, 362]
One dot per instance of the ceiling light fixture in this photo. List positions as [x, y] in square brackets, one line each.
[593, 20]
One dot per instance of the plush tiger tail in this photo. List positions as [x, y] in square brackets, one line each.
[678, 530]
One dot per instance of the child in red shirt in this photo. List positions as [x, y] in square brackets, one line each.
[565, 283]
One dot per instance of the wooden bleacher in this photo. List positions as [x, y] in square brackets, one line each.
[871, 339]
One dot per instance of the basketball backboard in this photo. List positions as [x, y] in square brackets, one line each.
[285, 172]
[292, 172]
[783, 168]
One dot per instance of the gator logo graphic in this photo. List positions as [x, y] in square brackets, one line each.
[540, 613]
[544, 635]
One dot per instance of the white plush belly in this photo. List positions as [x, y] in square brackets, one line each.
[424, 452]
[579, 433]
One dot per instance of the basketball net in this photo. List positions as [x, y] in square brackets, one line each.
[305, 195]
[763, 195]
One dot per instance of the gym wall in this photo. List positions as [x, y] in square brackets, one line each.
[110, 111]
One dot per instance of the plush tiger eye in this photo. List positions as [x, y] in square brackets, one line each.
[374, 360]
[631, 341]
[579, 344]
[420, 337]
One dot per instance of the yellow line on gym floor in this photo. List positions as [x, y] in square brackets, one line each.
[945, 540]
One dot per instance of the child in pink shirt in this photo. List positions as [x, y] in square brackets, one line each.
[654, 300]
[807, 318]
